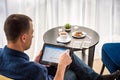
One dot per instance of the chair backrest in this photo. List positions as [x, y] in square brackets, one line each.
[4, 78]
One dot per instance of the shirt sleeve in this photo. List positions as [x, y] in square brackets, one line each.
[39, 72]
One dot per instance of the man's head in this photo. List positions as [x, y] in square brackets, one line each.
[18, 27]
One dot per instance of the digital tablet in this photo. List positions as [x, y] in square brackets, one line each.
[52, 52]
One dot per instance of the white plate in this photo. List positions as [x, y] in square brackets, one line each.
[82, 36]
[68, 39]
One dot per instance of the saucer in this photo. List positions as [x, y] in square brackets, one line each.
[68, 39]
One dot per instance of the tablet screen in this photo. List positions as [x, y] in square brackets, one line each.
[52, 53]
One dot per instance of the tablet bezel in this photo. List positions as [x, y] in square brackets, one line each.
[57, 46]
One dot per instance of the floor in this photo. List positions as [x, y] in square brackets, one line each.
[97, 65]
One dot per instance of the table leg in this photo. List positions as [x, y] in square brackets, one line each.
[91, 56]
[83, 55]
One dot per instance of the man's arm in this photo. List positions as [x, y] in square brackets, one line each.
[64, 61]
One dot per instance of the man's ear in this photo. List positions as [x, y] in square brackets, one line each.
[23, 38]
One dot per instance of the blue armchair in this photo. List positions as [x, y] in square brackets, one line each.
[111, 57]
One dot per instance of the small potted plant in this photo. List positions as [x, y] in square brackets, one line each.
[67, 27]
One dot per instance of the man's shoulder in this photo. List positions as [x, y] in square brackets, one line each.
[0, 50]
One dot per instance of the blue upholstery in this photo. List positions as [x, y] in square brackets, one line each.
[111, 56]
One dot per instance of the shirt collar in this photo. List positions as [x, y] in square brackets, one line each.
[15, 53]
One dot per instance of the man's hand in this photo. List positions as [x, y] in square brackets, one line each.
[37, 58]
[65, 59]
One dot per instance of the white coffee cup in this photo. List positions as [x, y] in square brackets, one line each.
[63, 35]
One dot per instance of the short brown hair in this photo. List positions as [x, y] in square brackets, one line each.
[16, 24]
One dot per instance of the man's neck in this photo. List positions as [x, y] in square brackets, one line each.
[15, 46]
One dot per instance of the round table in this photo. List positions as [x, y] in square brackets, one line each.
[51, 35]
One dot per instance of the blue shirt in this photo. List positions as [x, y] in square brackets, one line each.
[16, 65]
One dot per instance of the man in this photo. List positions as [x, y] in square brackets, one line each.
[15, 64]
